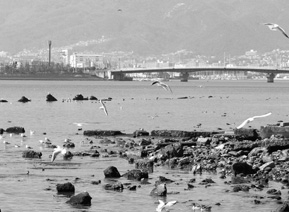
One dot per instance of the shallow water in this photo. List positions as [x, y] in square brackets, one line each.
[134, 105]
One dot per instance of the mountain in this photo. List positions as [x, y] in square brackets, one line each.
[146, 27]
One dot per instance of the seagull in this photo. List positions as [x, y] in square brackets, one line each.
[276, 27]
[103, 107]
[32, 132]
[252, 119]
[6, 142]
[163, 85]
[79, 124]
[28, 147]
[162, 205]
[57, 151]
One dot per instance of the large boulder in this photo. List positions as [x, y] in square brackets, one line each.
[79, 97]
[246, 134]
[118, 186]
[268, 131]
[283, 208]
[31, 154]
[80, 199]
[136, 174]
[65, 187]
[172, 150]
[145, 164]
[102, 132]
[16, 130]
[180, 133]
[50, 98]
[111, 172]
[159, 190]
[243, 168]
[24, 99]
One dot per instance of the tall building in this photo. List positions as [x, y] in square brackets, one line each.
[80, 60]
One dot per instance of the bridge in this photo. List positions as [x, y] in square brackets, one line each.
[119, 74]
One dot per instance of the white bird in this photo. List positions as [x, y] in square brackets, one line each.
[252, 119]
[163, 85]
[28, 147]
[6, 142]
[57, 151]
[103, 107]
[79, 124]
[32, 132]
[276, 27]
[162, 205]
[17, 146]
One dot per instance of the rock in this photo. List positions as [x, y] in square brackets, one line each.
[274, 192]
[16, 130]
[24, 99]
[162, 180]
[50, 98]
[102, 133]
[203, 141]
[159, 190]
[31, 154]
[3, 100]
[80, 199]
[1, 131]
[136, 174]
[138, 133]
[69, 145]
[111, 172]
[206, 181]
[244, 168]
[68, 155]
[145, 164]
[241, 188]
[180, 133]
[246, 134]
[118, 186]
[79, 97]
[268, 131]
[93, 98]
[65, 187]
[172, 150]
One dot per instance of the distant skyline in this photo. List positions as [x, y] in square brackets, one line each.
[144, 27]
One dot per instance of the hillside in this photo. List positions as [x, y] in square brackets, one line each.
[146, 27]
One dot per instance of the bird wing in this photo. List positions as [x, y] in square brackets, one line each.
[160, 206]
[55, 153]
[261, 116]
[243, 124]
[283, 31]
[155, 82]
[166, 87]
[103, 107]
[170, 203]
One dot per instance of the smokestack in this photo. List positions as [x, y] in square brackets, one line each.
[49, 56]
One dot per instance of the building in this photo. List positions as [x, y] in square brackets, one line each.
[80, 60]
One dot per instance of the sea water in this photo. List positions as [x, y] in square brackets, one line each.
[195, 105]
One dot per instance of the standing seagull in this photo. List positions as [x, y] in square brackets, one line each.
[163, 85]
[103, 107]
[162, 205]
[57, 151]
[276, 27]
[252, 119]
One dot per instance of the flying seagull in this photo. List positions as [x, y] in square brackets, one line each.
[163, 85]
[276, 27]
[57, 151]
[252, 119]
[162, 205]
[103, 107]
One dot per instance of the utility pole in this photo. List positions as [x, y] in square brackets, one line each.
[49, 52]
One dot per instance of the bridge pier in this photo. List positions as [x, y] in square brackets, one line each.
[270, 77]
[184, 76]
[118, 76]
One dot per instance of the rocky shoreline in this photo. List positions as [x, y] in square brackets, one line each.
[247, 159]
